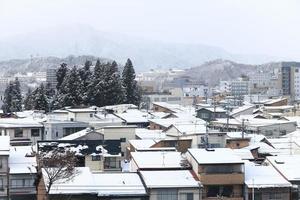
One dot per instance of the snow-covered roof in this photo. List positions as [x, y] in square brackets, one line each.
[254, 138]
[287, 165]
[141, 144]
[81, 110]
[242, 109]
[252, 122]
[215, 156]
[286, 107]
[216, 109]
[263, 177]
[21, 160]
[172, 107]
[82, 183]
[244, 154]
[159, 115]
[157, 160]
[169, 179]
[4, 145]
[78, 134]
[110, 184]
[294, 119]
[143, 133]
[168, 122]
[134, 116]
[188, 129]
[19, 123]
[285, 145]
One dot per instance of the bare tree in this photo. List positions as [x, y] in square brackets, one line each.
[57, 166]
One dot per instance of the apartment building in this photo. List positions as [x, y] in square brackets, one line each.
[220, 171]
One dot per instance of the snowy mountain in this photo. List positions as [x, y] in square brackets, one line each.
[84, 40]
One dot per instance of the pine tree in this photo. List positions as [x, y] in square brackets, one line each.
[12, 97]
[71, 90]
[28, 104]
[40, 99]
[96, 87]
[61, 74]
[113, 91]
[132, 91]
[86, 75]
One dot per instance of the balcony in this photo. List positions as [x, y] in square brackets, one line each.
[222, 179]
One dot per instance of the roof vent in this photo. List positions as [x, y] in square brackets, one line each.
[279, 162]
[210, 149]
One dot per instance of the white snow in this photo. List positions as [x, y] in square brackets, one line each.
[287, 165]
[118, 184]
[160, 159]
[263, 177]
[215, 156]
[169, 179]
[19, 163]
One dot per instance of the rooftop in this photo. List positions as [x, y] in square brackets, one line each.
[215, 156]
[22, 160]
[157, 160]
[263, 177]
[169, 179]
[108, 184]
[287, 165]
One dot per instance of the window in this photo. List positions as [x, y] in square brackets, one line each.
[111, 163]
[186, 196]
[1, 184]
[20, 183]
[18, 132]
[167, 194]
[122, 139]
[35, 132]
[91, 115]
[56, 133]
[219, 190]
[0, 163]
[96, 158]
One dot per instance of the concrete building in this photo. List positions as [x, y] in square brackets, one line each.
[240, 87]
[51, 77]
[213, 168]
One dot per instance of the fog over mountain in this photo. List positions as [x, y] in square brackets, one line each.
[76, 40]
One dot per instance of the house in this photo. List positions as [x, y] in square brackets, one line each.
[56, 129]
[134, 117]
[199, 135]
[209, 114]
[98, 155]
[163, 124]
[95, 186]
[114, 186]
[166, 107]
[4, 168]
[265, 183]
[157, 160]
[74, 114]
[266, 127]
[85, 134]
[171, 184]
[81, 186]
[242, 110]
[276, 102]
[288, 167]
[22, 172]
[122, 133]
[22, 131]
[220, 171]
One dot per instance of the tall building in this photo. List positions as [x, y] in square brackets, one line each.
[51, 77]
[290, 79]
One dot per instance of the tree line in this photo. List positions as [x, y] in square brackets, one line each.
[78, 87]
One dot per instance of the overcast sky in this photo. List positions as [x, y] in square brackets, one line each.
[270, 27]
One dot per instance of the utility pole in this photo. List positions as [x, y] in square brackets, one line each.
[253, 189]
